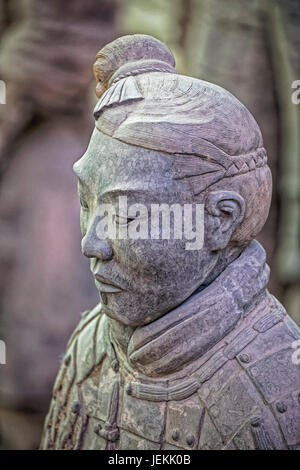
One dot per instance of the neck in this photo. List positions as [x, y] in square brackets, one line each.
[121, 334]
[223, 259]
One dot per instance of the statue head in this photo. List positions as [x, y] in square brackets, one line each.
[165, 138]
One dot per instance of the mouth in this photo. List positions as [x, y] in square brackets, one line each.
[105, 287]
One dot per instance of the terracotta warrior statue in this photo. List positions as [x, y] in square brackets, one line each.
[187, 348]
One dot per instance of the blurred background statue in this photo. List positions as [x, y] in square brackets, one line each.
[250, 47]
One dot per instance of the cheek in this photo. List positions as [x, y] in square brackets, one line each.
[158, 263]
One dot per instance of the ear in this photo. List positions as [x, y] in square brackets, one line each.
[225, 211]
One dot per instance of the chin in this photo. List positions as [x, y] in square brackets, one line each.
[138, 317]
[118, 314]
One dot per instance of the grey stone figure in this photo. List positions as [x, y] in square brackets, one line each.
[187, 348]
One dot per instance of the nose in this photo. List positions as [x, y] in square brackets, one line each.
[93, 247]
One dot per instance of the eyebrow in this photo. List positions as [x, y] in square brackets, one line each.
[115, 191]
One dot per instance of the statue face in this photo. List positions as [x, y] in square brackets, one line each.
[138, 279]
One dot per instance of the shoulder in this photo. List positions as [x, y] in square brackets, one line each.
[87, 317]
[89, 343]
[86, 349]
[256, 375]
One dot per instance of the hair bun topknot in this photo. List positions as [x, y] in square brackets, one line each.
[131, 55]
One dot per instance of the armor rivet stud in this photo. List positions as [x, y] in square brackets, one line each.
[97, 428]
[281, 407]
[75, 407]
[254, 371]
[255, 422]
[244, 358]
[215, 411]
[190, 439]
[175, 434]
[115, 365]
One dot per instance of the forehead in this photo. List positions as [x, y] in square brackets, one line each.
[108, 162]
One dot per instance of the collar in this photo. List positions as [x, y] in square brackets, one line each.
[184, 334]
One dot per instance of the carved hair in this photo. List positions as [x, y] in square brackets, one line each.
[211, 134]
[132, 55]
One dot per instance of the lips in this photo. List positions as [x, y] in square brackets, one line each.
[105, 285]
